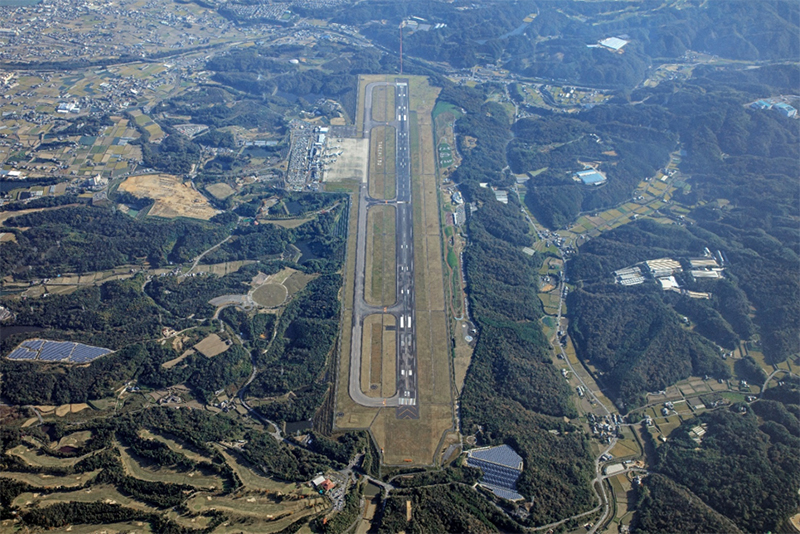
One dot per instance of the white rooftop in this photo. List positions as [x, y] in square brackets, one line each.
[614, 43]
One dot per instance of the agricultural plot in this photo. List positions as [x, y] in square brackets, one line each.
[624, 500]
[212, 346]
[172, 197]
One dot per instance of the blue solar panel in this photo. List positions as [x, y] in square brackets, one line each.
[57, 351]
[22, 354]
[33, 344]
[501, 467]
[504, 493]
[503, 455]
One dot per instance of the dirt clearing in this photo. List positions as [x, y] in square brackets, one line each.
[172, 197]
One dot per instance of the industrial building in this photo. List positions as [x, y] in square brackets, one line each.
[590, 177]
[630, 276]
[786, 109]
[614, 43]
[501, 467]
[663, 267]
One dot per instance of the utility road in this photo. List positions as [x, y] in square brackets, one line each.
[406, 398]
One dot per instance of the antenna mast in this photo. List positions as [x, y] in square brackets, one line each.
[401, 47]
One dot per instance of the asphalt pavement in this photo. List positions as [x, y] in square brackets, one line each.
[403, 309]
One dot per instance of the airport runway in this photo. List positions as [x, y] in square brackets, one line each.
[406, 398]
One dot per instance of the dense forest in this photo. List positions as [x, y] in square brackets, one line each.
[664, 507]
[637, 341]
[67, 240]
[443, 508]
[742, 470]
[265, 70]
[554, 44]
[129, 315]
[627, 143]
[512, 392]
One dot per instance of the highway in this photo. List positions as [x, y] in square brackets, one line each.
[406, 398]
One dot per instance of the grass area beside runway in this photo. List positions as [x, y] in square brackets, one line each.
[382, 156]
[363, 81]
[380, 279]
[378, 359]
[383, 103]
[408, 442]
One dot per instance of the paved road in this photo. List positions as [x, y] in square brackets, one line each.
[406, 397]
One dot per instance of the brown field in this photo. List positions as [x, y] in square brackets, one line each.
[462, 359]
[382, 177]
[172, 197]
[211, 346]
[220, 190]
[378, 362]
[8, 214]
[287, 223]
[383, 103]
[175, 361]
[363, 80]
[270, 295]
[380, 278]
[297, 282]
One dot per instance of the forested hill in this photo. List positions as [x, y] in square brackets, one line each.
[513, 393]
[742, 198]
[553, 45]
[743, 469]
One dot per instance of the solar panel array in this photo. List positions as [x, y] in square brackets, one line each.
[501, 467]
[503, 492]
[502, 455]
[56, 351]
